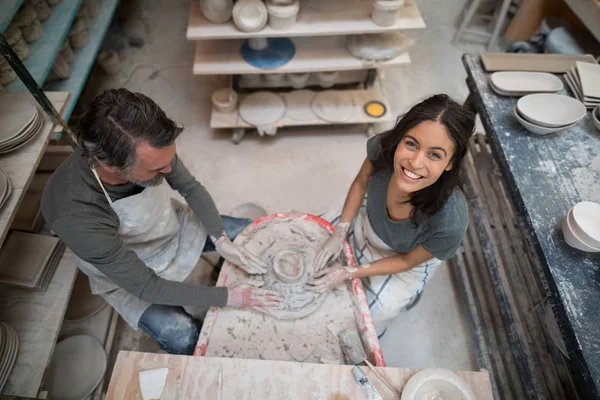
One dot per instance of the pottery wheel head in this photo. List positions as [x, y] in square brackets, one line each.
[289, 266]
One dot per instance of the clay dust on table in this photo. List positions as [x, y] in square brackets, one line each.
[306, 328]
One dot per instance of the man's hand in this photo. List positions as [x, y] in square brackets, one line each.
[239, 256]
[332, 247]
[329, 279]
[247, 294]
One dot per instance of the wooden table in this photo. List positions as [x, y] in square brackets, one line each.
[198, 378]
[546, 176]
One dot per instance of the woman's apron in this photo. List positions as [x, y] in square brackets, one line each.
[387, 295]
[164, 234]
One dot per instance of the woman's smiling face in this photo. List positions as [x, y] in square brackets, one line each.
[423, 154]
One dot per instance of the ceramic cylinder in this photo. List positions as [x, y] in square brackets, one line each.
[224, 100]
[33, 32]
[327, 78]
[276, 79]
[283, 16]
[109, 62]
[385, 12]
[250, 80]
[258, 43]
[216, 11]
[250, 15]
[298, 80]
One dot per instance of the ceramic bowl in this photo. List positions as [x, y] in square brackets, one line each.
[288, 266]
[224, 100]
[585, 221]
[533, 128]
[572, 239]
[596, 117]
[250, 15]
[551, 110]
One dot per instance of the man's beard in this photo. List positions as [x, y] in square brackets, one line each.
[157, 180]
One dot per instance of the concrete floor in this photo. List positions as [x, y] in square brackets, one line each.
[308, 169]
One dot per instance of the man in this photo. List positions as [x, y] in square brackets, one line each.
[138, 246]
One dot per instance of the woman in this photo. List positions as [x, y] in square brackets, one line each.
[414, 215]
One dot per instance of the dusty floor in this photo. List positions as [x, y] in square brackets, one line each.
[305, 169]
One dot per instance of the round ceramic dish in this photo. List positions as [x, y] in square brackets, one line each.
[262, 108]
[15, 117]
[217, 11]
[586, 218]
[551, 110]
[526, 82]
[437, 383]
[572, 239]
[298, 105]
[533, 128]
[250, 15]
[596, 117]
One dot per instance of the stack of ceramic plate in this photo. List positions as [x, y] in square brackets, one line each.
[581, 227]
[29, 260]
[584, 81]
[517, 83]
[20, 121]
[5, 188]
[545, 113]
[9, 347]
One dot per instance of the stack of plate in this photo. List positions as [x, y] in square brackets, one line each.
[29, 260]
[545, 113]
[9, 347]
[584, 81]
[517, 83]
[5, 188]
[20, 121]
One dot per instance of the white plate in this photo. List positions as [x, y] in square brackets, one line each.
[538, 130]
[551, 110]
[433, 383]
[77, 366]
[16, 112]
[334, 106]
[262, 108]
[590, 78]
[298, 105]
[528, 82]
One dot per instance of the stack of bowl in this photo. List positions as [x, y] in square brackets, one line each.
[546, 113]
[581, 227]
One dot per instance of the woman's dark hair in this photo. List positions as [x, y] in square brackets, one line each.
[117, 121]
[459, 123]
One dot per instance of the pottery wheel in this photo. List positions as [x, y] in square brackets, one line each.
[262, 108]
[299, 105]
[334, 106]
[295, 239]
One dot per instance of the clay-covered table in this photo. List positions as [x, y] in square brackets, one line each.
[546, 176]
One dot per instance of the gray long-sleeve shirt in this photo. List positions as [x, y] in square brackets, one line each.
[74, 206]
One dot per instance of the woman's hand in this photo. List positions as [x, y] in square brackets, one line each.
[329, 278]
[239, 256]
[247, 294]
[332, 247]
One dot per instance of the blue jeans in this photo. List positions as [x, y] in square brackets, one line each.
[171, 326]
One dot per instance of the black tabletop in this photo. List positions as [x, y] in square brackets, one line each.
[546, 176]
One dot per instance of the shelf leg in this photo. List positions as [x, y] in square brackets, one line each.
[237, 135]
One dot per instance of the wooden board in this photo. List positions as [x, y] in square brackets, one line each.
[198, 378]
[316, 18]
[532, 62]
[233, 120]
[37, 317]
[220, 57]
[21, 164]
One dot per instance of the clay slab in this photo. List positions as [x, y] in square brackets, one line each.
[590, 79]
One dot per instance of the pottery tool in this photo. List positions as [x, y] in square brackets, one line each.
[382, 379]
[370, 392]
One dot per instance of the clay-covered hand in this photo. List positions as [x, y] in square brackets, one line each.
[236, 254]
[333, 246]
[329, 279]
[248, 294]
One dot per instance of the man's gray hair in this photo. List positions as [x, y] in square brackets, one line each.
[117, 121]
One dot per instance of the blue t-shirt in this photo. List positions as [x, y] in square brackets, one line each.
[441, 234]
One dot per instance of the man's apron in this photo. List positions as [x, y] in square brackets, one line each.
[164, 234]
[387, 295]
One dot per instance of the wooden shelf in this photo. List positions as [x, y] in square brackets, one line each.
[375, 93]
[84, 58]
[344, 77]
[218, 57]
[8, 9]
[20, 165]
[44, 50]
[316, 18]
[37, 318]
